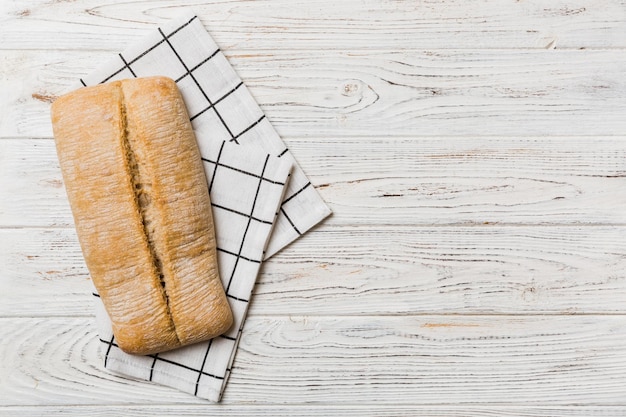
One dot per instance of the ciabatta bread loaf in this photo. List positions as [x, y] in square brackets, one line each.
[140, 202]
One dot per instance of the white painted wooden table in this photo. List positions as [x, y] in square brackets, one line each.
[473, 153]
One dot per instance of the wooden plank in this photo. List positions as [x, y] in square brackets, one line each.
[475, 180]
[285, 24]
[414, 181]
[31, 185]
[402, 360]
[310, 410]
[43, 274]
[370, 270]
[404, 93]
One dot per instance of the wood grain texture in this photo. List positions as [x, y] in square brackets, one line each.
[284, 24]
[370, 270]
[309, 410]
[402, 181]
[473, 155]
[321, 93]
[402, 360]
[29, 177]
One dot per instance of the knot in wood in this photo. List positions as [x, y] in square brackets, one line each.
[350, 88]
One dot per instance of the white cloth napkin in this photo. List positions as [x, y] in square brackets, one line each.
[261, 198]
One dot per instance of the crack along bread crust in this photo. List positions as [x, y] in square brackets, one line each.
[139, 197]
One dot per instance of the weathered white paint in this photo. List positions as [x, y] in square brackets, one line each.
[307, 360]
[395, 181]
[325, 94]
[327, 24]
[473, 153]
[367, 270]
[309, 410]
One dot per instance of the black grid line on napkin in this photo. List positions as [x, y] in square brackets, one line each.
[111, 344]
[188, 72]
[218, 100]
[238, 256]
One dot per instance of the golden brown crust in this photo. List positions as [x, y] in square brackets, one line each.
[140, 202]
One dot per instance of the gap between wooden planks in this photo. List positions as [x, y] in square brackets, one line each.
[308, 410]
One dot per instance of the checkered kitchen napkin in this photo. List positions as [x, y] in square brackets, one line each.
[261, 199]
